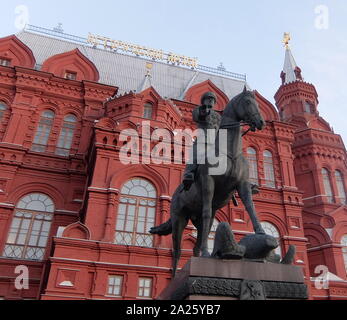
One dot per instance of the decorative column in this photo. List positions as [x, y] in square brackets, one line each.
[5, 215]
[86, 132]
[112, 206]
[165, 202]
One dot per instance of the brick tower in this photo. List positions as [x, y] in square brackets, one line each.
[320, 168]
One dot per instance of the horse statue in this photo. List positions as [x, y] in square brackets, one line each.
[210, 192]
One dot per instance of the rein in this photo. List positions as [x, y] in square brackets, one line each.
[236, 125]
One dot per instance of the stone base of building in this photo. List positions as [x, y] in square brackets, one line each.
[213, 279]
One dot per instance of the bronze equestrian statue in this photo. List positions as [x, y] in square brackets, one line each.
[210, 192]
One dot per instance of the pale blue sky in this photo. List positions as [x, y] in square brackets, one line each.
[244, 35]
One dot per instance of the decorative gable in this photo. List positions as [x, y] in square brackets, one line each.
[267, 110]
[195, 93]
[77, 231]
[72, 65]
[165, 110]
[14, 52]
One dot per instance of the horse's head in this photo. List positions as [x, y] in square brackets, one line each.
[245, 108]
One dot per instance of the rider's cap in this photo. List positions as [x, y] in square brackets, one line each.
[208, 95]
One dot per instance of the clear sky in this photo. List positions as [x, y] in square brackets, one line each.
[245, 35]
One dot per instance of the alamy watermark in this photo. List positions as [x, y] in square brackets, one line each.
[322, 281]
[22, 280]
[22, 16]
[186, 145]
[321, 21]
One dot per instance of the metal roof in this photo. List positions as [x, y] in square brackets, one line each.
[128, 72]
[289, 67]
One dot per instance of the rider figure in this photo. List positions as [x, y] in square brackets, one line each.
[205, 118]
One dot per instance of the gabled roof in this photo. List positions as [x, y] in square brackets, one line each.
[128, 72]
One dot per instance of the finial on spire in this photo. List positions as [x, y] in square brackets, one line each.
[149, 67]
[286, 39]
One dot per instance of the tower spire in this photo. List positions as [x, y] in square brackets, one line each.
[147, 81]
[291, 72]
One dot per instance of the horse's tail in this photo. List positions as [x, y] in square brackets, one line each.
[162, 230]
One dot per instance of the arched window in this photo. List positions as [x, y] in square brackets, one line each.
[136, 213]
[3, 108]
[253, 166]
[43, 131]
[30, 228]
[271, 230]
[269, 169]
[340, 186]
[148, 111]
[327, 185]
[66, 136]
[344, 249]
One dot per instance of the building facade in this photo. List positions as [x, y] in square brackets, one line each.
[77, 217]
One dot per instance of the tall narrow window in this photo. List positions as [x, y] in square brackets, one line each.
[307, 107]
[43, 131]
[145, 288]
[3, 108]
[136, 213]
[327, 185]
[66, 136]
[340, 186]
[269, 169]
[253, 166]
[271, 230]
[30, 228]
[148, 111]
[344, 249]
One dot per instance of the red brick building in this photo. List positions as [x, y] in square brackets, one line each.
[78, 218]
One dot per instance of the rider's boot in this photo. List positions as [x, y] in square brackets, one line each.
[255, 188]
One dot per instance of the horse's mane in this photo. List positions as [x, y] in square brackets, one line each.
[244, 94]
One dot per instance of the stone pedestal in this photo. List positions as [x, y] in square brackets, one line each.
[214, 279]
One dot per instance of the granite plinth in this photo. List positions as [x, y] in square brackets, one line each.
[204, 278]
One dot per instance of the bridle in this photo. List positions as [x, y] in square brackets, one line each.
[242, 123]
[236, 125]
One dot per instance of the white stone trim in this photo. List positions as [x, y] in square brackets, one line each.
[7, 204]
[110, 263]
